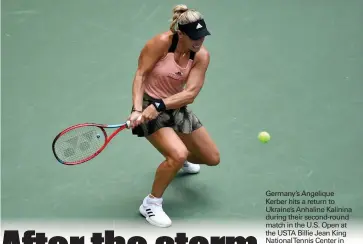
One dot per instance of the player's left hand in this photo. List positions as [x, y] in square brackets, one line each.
[149, 113]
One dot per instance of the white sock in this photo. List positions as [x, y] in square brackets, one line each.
[153, 199]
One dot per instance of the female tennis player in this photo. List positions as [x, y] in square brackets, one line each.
[171, 72]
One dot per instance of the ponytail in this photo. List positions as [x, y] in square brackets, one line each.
[177, 11]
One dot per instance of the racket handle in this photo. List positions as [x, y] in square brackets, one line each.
[128, 123]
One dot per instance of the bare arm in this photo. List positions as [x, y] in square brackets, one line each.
[150, 54]
[138, 90]
[194, 84]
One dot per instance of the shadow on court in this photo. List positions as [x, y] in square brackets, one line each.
[189, 197]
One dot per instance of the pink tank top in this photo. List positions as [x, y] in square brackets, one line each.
[167, 78]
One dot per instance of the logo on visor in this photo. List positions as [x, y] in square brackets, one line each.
[199, 26]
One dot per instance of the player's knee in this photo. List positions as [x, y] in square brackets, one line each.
[178, 157]
[214, 159]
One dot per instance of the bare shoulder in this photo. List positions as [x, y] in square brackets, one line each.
[202, 57]
[159, 42]
[153, 50]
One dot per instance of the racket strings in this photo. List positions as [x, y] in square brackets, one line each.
[79, 143]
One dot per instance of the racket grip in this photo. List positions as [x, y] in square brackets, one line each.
[128, 123]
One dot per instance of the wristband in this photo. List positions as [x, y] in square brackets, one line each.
[134, 110]
[159, 105]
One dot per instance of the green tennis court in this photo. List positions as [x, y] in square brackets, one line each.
[292, 68]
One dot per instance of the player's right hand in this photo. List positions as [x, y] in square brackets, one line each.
[133, 118]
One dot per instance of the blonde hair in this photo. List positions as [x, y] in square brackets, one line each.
[182, 15]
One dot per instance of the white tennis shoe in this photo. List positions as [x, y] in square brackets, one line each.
[152, 210]
[191, 168]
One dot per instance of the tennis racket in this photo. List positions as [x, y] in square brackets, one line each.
[82, 142]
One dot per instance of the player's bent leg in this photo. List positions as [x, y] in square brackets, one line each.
[201, 147]
[167, 142]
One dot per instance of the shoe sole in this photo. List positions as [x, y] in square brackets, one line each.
[190, 172]
[186, 170]
[142, 212]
